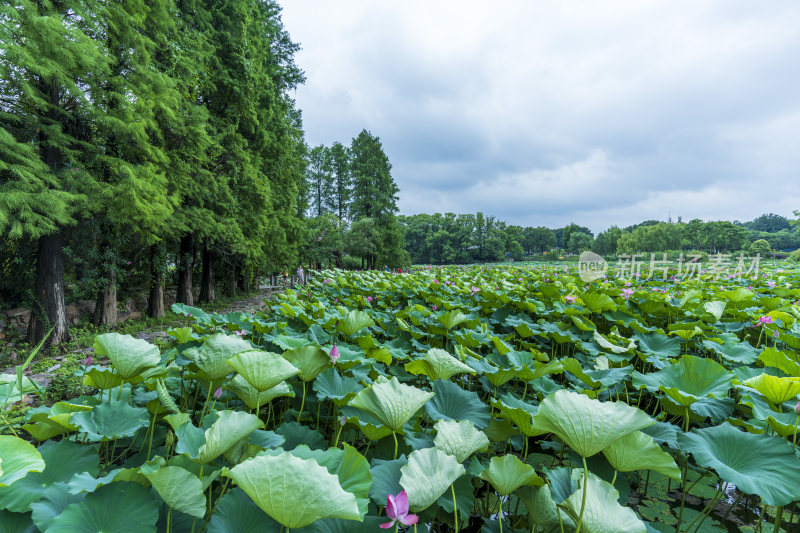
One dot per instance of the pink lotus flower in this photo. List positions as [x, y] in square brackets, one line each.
[764, 320]
[397, 511]
[218, 393]
[434, 307]
[87, 361]
[776, 334]
[570, 299]
[241, 333]
[627, 293]
[334, 354]
[369, 298]
[474, 289]
[771, 284]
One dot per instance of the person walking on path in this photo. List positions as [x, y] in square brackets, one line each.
[300, 275]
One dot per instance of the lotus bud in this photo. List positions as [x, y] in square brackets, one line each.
[218, 393]
[343, 420]
[797, 408]
[88, 360]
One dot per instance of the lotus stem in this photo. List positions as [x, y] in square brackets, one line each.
[686, 419]
[725, 516]
[778, 519]
[339, 432]
[583, 498]
[150, 438]
[794, 432]
[707, 509]
[169, 520]
[455, 508]
[614, 478]
[683, 494]
[394, 435]
[303, 403]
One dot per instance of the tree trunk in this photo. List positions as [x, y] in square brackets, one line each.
[246, 280]
[208, 291]
[105, 310]
[49, 309]
[232, 281]
[186, 261]
[155, 303]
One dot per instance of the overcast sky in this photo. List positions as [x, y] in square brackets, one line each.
[546, 113]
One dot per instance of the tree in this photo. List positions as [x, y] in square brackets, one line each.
[374, 189]
[569, 230]
[578, 242]
[770, 223]
[339, 199]
[538, 240]
[320, 179]
[48, 65]
[760, 247]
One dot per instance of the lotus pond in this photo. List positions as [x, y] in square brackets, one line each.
[450, 399]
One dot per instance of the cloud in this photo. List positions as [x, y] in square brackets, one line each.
[547, 113]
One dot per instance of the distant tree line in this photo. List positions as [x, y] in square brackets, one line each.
[451, 238]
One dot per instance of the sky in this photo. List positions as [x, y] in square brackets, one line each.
[546, 113]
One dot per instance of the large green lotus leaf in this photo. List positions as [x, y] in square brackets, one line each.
[262, 370]
[385, 478]
[229, 428]
[116, 508]
[451, 402]
[212, 357]
[528, 369]
[756, 464]
[542, 510]
[111, 420]
[520, 413]
[602, 513]
[252, 397]
[507, 473]
[368, 424]
[236, 513]
[438, 364]
[459, 439]
[638, 451]
[598, 302]
[452, 319]
[180, 489]
[715, 308]
[333, 386]
[129, 356]
[354, 321]
[732, 349]
[495, 375]
[348, 465]
[102, 378]
[690, 379]
[311, 360]
[296, 434]
[610, 346]
[17, 458]
[657, 345]
[787, 362]
[391, 402]
[335, 525]
[776, 390]
[782, 423]
[585, 425]
[294, 491]
[427, 475]
[54, 500]
[63, 459]
[16, 522]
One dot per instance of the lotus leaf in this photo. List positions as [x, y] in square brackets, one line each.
[690, 379]
[452, 319]
[354, 321]
[585, 425]
[111, 420]
[311, 360]
[262, 370]
[756, 464]
[602, 513]
[236, 513]
[507, 473]
[294, 491]
[784, 361]
[391, 402]
[459, 439]
[252, 397]
[119, 507]
[542, 510]
[776, 390]
[427, 475]
[213, 355]
[180, 489]
[438, 364]
[17, 458]
[129, 356]
[638, 451]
